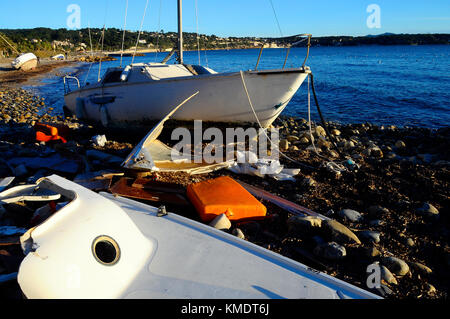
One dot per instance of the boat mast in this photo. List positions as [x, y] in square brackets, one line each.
[180, 32]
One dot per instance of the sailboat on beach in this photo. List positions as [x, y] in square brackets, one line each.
[141, 93]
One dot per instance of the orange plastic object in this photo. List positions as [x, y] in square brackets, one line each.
[224, 195]
[47, 133]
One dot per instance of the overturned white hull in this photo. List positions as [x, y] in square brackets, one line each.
[25, 62]
[222, 98]
[155, 257]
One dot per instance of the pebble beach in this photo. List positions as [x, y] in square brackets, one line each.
[389, 206]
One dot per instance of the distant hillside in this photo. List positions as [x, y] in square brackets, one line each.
[383, 39]
[63, 40]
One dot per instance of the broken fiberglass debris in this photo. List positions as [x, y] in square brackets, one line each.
[153, 155]
[154, 257]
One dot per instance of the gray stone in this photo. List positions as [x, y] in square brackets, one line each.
[351, 215]
[376, 152]
[428, 210]
[238, 233]
[396, 265]
[421, 268]
[400, 144]
[221, 222]
[410, 242]
[307, 136]
[340, 233]
[377, 211]
[303, 224]
[387, 276]
[320, 131]
[430, 289]
[331, 251]
[376, 222]
[369, 236]
[372, 252]
[284, 145]
[308, 182]
[336, 132]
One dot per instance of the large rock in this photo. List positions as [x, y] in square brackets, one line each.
[320, 131]
[331, 251]
[396, 265]
[340, 233]
[284, 145]
[221, 222]
[421, 268]
[351, 215]
[400, 144]
[369, 236]
[238, 233]
[428, 210]
[387, 276]
[304, 224]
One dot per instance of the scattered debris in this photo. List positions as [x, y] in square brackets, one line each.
[32, 193]
[48, 133]
[99, 140]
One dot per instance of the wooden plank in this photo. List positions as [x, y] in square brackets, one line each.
[124, 188]
[148, 184]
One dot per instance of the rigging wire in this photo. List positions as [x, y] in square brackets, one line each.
[92, 53]
[198, 39]
[101, 53]
[276, 18]
[103, 42]
[140, 31]
[4, 39]
[124, 30]
[159, 30]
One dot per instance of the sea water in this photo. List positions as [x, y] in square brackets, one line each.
[400, 85]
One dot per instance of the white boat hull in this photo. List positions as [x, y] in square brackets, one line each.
[159, 257]
[222, 98]
[25, 62]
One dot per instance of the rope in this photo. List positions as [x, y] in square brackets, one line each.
[140, 31]
[330, 164]
[264, 130]
[92, 53]
[124, 30]
[325, 126]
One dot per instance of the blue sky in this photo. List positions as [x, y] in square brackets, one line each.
[238, 17]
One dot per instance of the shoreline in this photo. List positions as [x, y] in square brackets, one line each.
[19, 78]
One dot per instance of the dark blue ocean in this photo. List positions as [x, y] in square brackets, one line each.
[400, 85]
